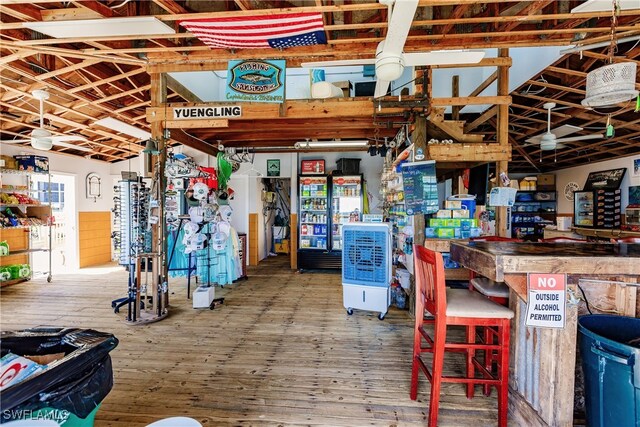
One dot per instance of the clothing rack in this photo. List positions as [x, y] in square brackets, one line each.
[192, 261]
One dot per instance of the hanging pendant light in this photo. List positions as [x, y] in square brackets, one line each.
[613, 83]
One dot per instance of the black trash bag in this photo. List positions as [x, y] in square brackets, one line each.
[76, 383]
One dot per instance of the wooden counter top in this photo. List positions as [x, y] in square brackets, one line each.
[495, 259]
[542, 360]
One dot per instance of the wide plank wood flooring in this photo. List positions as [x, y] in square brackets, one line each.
[280, 351]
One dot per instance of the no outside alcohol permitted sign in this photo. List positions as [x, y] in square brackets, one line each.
[546, 306]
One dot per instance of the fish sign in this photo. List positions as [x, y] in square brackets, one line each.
[256, 81]
[546, 306]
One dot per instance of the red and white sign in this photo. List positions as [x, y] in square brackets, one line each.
[546, 307]
[308, 167]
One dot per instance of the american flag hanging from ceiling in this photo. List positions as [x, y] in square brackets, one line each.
[256, 32]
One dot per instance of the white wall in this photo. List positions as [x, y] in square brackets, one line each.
[579, 175]
[259, 166]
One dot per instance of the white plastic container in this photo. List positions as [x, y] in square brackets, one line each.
[203, 296]
[564, 223]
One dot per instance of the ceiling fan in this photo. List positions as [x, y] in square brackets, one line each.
[41, 138]
[390, 59]
[553, 140]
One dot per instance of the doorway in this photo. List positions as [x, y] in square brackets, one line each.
[276, 211]
[60, 191]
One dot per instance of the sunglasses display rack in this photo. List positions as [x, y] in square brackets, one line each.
[132, 240]
[131, 219]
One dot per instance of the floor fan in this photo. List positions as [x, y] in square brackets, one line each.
[366, 267]
[390, 59]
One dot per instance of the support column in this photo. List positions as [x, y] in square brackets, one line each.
[502, 217]
[158, 94]
[419, 139]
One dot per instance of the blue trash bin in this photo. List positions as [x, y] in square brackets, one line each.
[610, 349]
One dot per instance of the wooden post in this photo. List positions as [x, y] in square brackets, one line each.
[419, 138]
[502, 217]
[158, 95]
[455, 92]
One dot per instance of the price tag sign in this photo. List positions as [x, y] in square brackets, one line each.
[546, 307]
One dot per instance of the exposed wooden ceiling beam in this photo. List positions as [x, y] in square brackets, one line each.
[96, 6]
[171, 6]
[331, 27]
[23, 12]
[69, 14]
[491, 112]
[531, 8]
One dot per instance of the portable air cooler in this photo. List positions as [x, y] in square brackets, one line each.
[366, 267]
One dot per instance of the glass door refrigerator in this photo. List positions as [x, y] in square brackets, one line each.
[346, 205]
[598, 208]
[313, 221]
[583, 208]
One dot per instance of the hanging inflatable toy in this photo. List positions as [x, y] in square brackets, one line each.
[224, 171]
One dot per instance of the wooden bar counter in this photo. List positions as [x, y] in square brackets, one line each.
[542, 361]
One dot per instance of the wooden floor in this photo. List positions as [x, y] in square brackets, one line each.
[281, 351]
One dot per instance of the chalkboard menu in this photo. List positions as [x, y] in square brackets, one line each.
[420, 187]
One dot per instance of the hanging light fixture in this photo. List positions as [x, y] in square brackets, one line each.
[302, 145]
[613, 83]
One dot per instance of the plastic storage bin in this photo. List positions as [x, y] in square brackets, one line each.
[68, 390]
[610, 349]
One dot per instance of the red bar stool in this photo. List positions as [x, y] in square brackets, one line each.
[497, 292]
[456, 307]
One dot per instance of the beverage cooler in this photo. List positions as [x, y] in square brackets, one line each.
[313, 222]
[597, 208]
[346, 205]
[325, 204]
[583, 209]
